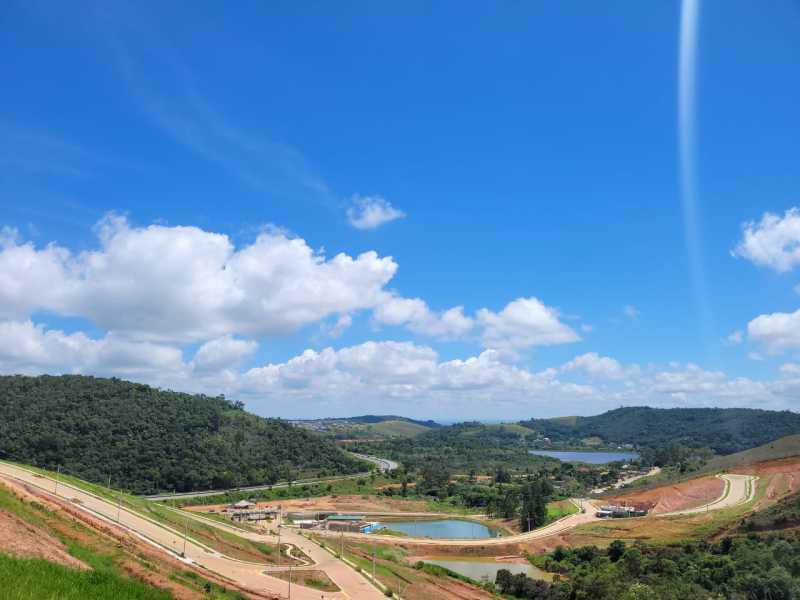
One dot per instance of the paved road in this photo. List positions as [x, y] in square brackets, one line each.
[251, 488]
[739, 489]
[247, 574]
[384, 464]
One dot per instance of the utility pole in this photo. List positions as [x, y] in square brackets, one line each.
[58, 473]
[341, 542]
[279, 542]
[373, 563]
[119, 506]
[290, 581]
[185, 535]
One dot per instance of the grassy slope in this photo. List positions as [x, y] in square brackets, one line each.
[781, 448]
[110, 561]
[34, 579]
[222, 541]
[397, 429]
[511, 428]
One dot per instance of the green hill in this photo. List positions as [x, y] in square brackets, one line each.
[724, 430]
[373, 419]
[367, 426]
[397, 428]
[781, 448]
[149, 440]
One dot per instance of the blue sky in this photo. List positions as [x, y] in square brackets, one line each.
[177, 180]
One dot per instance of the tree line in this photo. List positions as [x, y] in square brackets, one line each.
[148, 440]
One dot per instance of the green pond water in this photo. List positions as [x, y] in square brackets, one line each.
[486, 570]
[441, 528]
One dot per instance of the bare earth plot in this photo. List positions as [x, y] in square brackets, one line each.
[739, 489]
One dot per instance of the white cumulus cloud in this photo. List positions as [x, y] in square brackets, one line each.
[777, 331]
[594, 365]
[415, 314]
[370, 212]
[524, 323]
[773, 242]
[184, 283]
[222, 353]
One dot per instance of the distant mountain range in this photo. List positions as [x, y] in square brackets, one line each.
[724, 430]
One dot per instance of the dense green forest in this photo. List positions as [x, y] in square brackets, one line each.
[724, 430]
[148, 440]
[461, 447]
[750, 568]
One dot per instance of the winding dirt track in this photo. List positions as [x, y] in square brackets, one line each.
[247, 574]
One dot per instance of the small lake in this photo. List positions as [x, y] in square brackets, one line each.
[482, 570]
[441, 528]
[592, 458]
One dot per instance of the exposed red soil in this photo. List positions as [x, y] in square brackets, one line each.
[509, 549]
[680, 496]
[350, 503]
[782, 476]
[140, 561]
[23, 540]
[451, 589]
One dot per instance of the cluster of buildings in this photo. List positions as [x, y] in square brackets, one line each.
[334, 522]
[246, 511]
[612, 511]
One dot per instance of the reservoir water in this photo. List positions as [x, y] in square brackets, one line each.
[486, 570]
[441, 528]
[592, 458]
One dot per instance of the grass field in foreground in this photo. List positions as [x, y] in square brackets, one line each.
[33, 579]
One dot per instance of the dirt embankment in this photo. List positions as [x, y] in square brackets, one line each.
[22, 540]
[680, 496]
[782, 477]
[61, 519]
[351, 503]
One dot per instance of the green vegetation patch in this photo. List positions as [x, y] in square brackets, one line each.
[34, 579]
[149, 440]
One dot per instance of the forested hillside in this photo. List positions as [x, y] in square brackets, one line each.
[724, 430]
[461, 447]
[150, 440]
